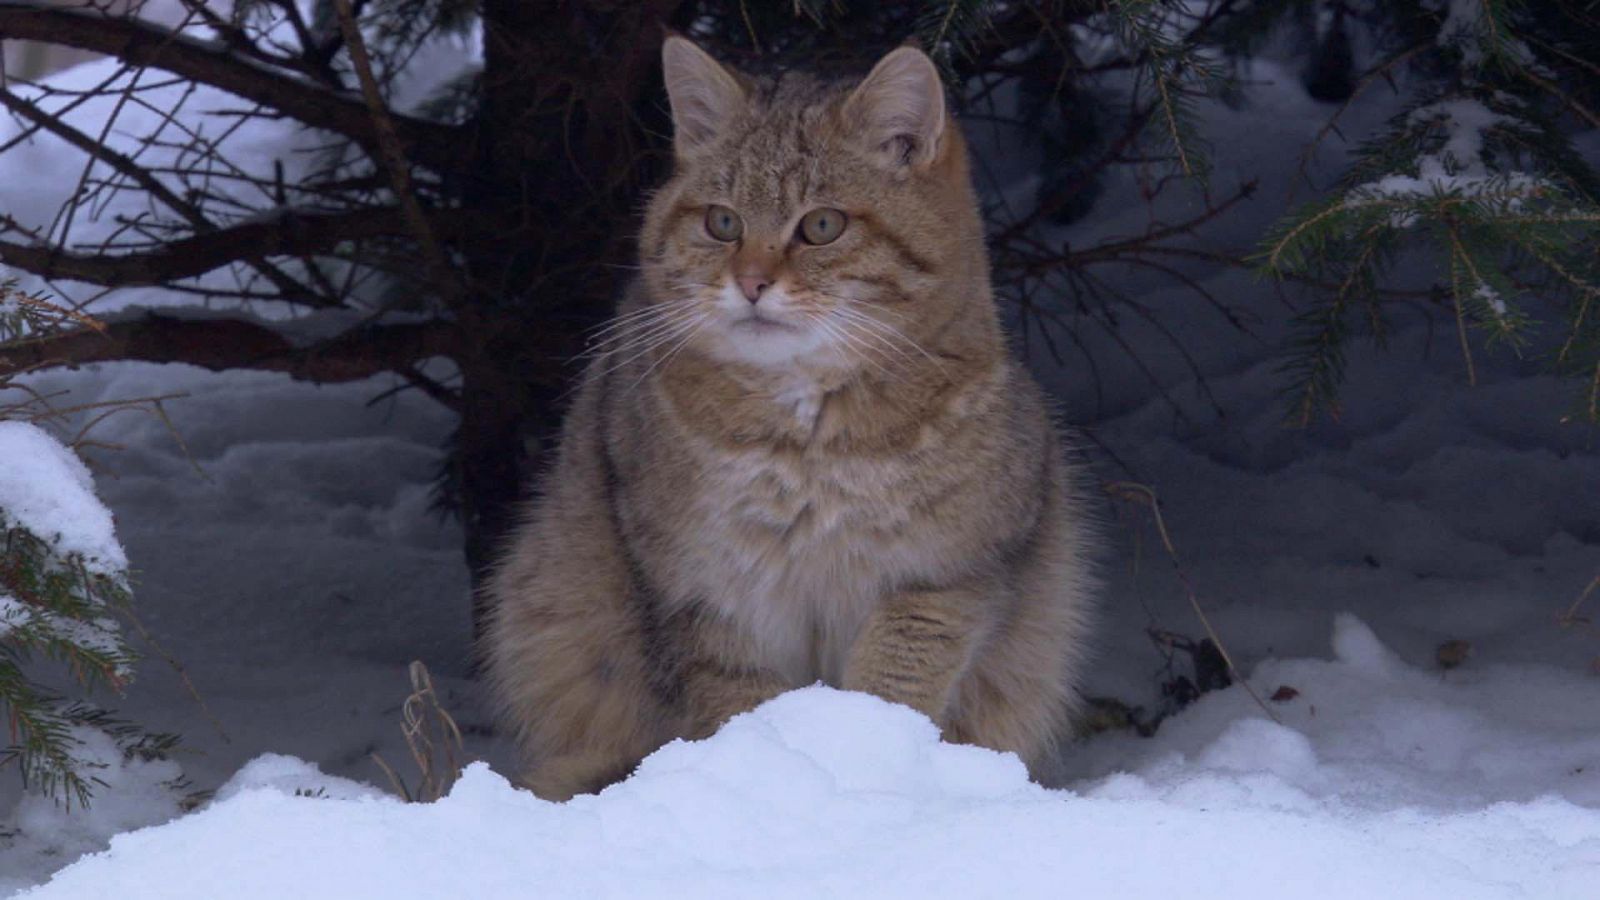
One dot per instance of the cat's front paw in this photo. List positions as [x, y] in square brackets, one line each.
[560, 778]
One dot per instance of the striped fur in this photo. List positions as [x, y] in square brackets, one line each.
[863, 490]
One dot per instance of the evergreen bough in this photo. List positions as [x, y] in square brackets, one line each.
[1476, 172]
[59, 606]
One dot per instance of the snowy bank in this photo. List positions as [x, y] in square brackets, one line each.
[824, 793]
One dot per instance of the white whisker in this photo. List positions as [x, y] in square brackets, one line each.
[633, 340]
[879, 333]
[635, 318]
[666, 358]
[853, 341]
[888, 332]
[640, 330]
[657, 339]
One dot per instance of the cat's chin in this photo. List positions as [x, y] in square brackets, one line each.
[765, 342]
[760, 325]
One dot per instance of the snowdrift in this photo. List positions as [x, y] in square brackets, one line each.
[826, 793]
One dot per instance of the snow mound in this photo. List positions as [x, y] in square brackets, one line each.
[825, 793]
[288, 775]
[1366, 733]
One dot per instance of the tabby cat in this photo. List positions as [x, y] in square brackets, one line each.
[800, 453]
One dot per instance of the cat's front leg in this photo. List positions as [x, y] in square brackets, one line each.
[720, 672]
[717, 692]
[915, 647]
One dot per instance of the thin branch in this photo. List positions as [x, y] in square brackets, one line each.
[1144, 493]
[219, 344]
[289, 288]
[1381, 70]
[288, 233]
[179, 669]
[142, 43]
[392, 155]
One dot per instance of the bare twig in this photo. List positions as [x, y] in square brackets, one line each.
[55, 124]
[142, 43]
[231, 343]
[392, 154]
[395, 781]
[1146, 495]
[179, 669]
[1570, 616]
[288, 233]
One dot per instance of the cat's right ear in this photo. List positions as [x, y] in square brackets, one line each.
[703, 93]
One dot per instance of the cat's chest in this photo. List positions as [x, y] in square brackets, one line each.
[812, 505]
[798, 550]
[799, 515]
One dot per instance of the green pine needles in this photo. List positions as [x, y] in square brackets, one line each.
[1176, 70]
[60, 593]
[53, 607]
[1478, 175]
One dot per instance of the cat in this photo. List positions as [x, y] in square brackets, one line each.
[800, 453]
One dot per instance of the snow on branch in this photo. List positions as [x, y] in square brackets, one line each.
[63, 579]
[1457, 167]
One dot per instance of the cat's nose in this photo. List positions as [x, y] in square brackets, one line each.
[754, 286]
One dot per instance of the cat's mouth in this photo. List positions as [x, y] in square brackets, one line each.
[756, 323]
[764, 337]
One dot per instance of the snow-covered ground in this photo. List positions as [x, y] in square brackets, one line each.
[826, 794]
[296, 577]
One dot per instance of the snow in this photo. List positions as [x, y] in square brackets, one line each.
[1457, 168]
[101, 635]
[47, 490]
[296, 578]
[1466, 27]
[134, 793]
[1463, 26]
[1490, 297]
[824, 793]
[295, 777]
[11, 612]
[1366, 731]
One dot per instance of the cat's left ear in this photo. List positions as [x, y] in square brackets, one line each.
[899, 109]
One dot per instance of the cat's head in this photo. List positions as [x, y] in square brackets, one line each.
[811, 223]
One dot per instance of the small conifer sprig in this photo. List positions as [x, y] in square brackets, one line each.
[56, 606]
[1476, 174]
[1177, 71]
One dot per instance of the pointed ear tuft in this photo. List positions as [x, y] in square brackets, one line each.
[703, 93]
[899, 109]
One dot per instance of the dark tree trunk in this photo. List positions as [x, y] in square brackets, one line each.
[571, 128]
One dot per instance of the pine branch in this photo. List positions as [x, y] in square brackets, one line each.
[55, 607]
[952, 28]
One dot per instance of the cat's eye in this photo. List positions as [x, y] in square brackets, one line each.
[822, 226]
[723, 224]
